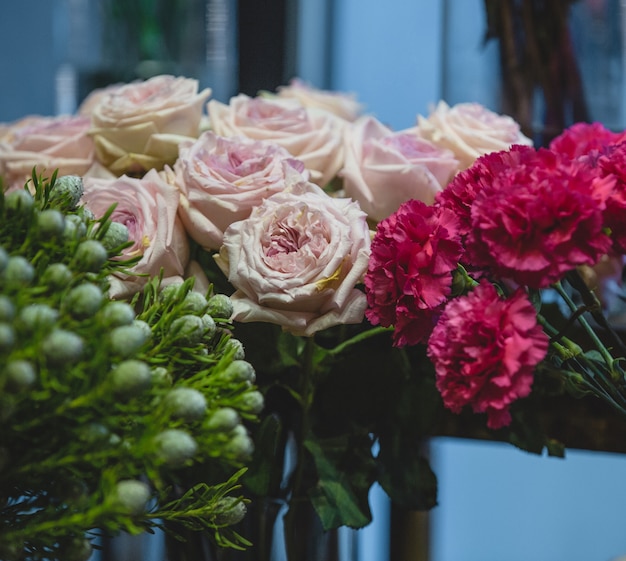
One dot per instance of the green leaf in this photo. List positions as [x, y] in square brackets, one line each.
[346, 473]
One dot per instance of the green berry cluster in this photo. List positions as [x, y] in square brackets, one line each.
[114, 416]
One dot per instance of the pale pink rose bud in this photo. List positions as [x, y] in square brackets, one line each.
[470, 130]
[222, 179]
[309, 134]
[383, 169]
[344, 105]
[148, 208]
[296, 261]
[46, 144]
[138, 126]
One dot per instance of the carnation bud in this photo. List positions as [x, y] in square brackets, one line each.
[115, 314]
[169, 291]
[18, 271]
[223, 420]
[161, 376]
[209, 326]
[57, 275]
[131, 377]
[37, 317]
[186, 403]
[19, 202]
[252, 402]
[235, 346]
[51, 223]
[230, 510]
[7, 309]
[175, 447]
[239, 371]
[220, 306]
[84, 300]
[116, 235]
[126, 340]
[241, 446]
[62, 346]
[187, 330]
[7, 337]
[67, 192]
[132, 495]
[20, 375]
[194, 302]
[90, 256]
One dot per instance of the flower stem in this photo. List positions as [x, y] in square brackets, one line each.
[358, 338]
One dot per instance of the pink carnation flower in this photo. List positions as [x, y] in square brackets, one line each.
[484, 350]
[537, 217]
[409, 278]
[583, 138]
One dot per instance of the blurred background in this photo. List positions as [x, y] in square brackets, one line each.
[495, 502]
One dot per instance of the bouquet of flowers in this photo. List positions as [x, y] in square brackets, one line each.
[379, 279]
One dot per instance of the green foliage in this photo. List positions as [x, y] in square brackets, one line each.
[107, 409]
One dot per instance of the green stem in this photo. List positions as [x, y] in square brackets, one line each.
[358, 338]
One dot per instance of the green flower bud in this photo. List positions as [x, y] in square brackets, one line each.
[241, 446]
[239, 371]
[57, 275]
[116, 235]
[18, 271]
[132, 495]
[19, 202]
[220, 306]
[115, 314]
[62, 346]
[186, 403]
[144, 327]
[175, 447]
[126, 340]
[75, 227]
[20, 375]
[131, 377]
[230, 510]
[51, 223]
[7, 309]
[67, 192]
[235, 346]
[187, 330]
[161, 376]
[169, 291]
[90, 256]
[36, 317]
[252, 402]
[194, 302]
[7, 337]
[209, 326]
[223, 420]
[84, 300]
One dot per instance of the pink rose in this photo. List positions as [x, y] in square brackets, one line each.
[138, 126]
[148, 208]
[484, 350]
[341, 104]
[309, 134]
[47, 144]
[470, 130]
[222, 179]
[383, 168]
[296, 260]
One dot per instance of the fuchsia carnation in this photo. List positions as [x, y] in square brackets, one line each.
[409, 278]
[537, 217]
[582, 138]
[484, 350]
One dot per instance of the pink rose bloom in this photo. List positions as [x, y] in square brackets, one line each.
[342, 104]
[222, 179]
[470, 130]
[296, 260]
[538, 217]
[409, 277]
[312, 135]
[148, 208]
[383, 168]
[47, 144]
[485, 350]
[138, 126]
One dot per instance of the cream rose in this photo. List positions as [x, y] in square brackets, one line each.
[222, 179]
[383, 169]
[470, 130]
[309, 134]
[47, 144]
[148, 208]
[138, 126]
[342, 104]
[296, 260]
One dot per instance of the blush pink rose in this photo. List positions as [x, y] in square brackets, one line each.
[342, 104]
[312, 135]
[138, 126]
[222, 179]
[47, 144]
[383, 168]
[148, 208]
[470, 130]
[296, 260]
[484, 350]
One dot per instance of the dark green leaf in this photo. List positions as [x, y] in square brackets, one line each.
[265, 472]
